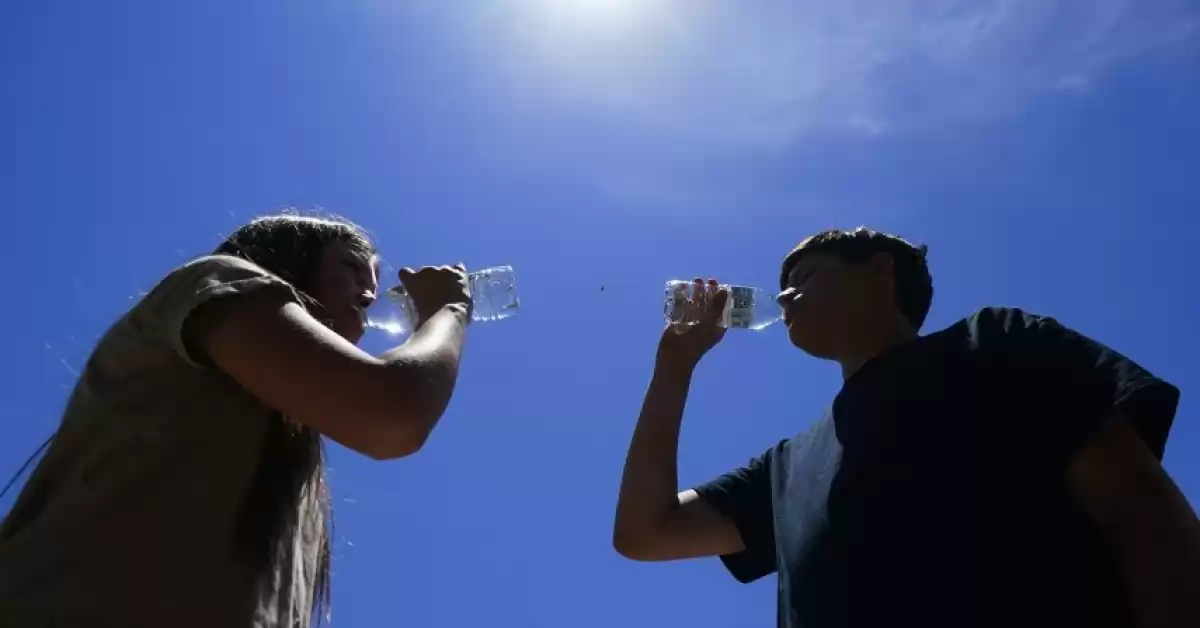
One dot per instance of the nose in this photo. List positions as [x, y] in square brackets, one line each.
[786, 296]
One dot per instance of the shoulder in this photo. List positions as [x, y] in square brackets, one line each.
[816, 437]
[762, 464]
[1003, 319]
[1000, 324]
[801, 459]
[216, 267]
[813, 452]
[162, 313]
[206, 277]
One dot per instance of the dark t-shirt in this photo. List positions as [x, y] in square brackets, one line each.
[934, 491]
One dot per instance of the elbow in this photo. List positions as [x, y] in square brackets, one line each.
[382, 436]
[393, 447]
[403, 425]
[624, 547]
[631, 545]
[386, 434]
[400, 436]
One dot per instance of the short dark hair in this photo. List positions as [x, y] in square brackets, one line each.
[914, 285]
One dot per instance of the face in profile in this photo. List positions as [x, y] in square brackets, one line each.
[827, 301]
[346, 284]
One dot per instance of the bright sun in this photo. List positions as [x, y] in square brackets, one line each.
[593, 45]
[597, 13]
[601, 8]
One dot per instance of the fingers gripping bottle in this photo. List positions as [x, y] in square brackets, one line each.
[746, 308]
[493, 297]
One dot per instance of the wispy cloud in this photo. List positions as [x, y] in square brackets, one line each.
[733, 73]
[683, 106]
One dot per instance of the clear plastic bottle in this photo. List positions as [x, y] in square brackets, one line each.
[747, 307]
[493, 296]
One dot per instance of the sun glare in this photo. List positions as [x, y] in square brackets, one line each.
[594, 51]
[598, 11]
[583, 15]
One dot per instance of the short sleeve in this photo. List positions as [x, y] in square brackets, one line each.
[1085, 384]
[165, 309]
[743, 496]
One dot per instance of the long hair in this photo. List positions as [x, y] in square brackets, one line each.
[289, 494]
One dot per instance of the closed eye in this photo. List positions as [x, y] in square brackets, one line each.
[798, 282]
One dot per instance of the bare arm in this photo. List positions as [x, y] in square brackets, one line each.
[654, 521]
[384, 407]
[1150, 526]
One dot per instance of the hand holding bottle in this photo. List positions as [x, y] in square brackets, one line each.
[489, 294]
[432, 288]
[697, 328]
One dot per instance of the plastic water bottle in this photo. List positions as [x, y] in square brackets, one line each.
[746, 307]
[493, 296]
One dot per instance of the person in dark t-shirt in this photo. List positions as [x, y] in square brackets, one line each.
[1004, 471]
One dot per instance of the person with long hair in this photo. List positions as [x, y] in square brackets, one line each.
[185, 484]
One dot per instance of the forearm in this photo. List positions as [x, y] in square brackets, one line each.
[650, 484]
[426, 368]
[437, 342]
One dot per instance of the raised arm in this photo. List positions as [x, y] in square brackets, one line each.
[384, 407]
[654, 520]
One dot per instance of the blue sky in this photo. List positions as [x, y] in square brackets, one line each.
[1044, 150]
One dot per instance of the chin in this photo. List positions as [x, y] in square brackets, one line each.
[815, 352]
[808, 345]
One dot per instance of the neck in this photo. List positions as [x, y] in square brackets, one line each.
[872, 342]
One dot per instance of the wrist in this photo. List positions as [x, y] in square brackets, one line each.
[454, 312]
[460, 311]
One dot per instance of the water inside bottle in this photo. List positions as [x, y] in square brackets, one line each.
[390, 313]
[746, 307]
[493, 297]
[684, 304]
[494, 294]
